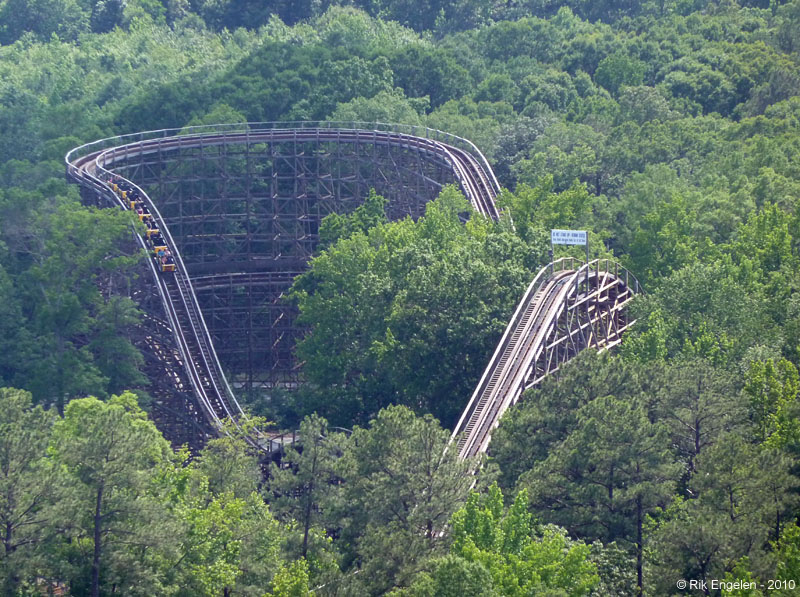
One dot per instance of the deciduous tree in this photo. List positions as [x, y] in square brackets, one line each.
[501, 552]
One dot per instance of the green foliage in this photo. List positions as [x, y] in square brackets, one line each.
[699, 403]
[396, 500]
[42, 18]
[212, 547]
[618, 70]
[108, 453]
[501, 553]
[291, 581]
[385, 106]
[612, 465]
[26, 485]
[772, 388]
[591, 462]
[548, 413]
[368, 215]
[788, 548]
[219, 114]
[224, 538]
[230, 465]
[741, 495]
[96, 502]
[424, 71]
[701, 306]
[406, 311]
[667, 128]
[598, 464]
[542, 208]
[304, 486]
[65, 338]
[452, 576]
[740, 575]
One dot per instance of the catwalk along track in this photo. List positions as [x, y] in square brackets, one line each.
[296, 173]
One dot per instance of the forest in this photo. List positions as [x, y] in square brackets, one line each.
[669, 129]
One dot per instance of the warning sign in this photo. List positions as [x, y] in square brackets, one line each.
[568, 237]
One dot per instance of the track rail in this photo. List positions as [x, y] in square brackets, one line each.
[91, 166]
[567, 307]
[471, 168]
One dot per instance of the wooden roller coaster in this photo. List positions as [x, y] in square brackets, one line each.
[569, 306]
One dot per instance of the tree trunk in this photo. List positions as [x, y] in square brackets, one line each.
[639, 546]
[697, 436]
[307, 521]
[12, 580]
[9, 534]
[98, 519]
[310, 499]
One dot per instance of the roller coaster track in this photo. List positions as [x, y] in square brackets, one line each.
[568, 306]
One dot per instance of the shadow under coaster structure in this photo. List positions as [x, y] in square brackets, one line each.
[239, 207]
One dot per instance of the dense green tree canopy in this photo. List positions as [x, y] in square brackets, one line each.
[405, 312]
[504, 553]
[670, 129]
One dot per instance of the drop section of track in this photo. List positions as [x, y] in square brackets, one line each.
[196, 352]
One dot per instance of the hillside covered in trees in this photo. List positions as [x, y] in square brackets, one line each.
[670, 129]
